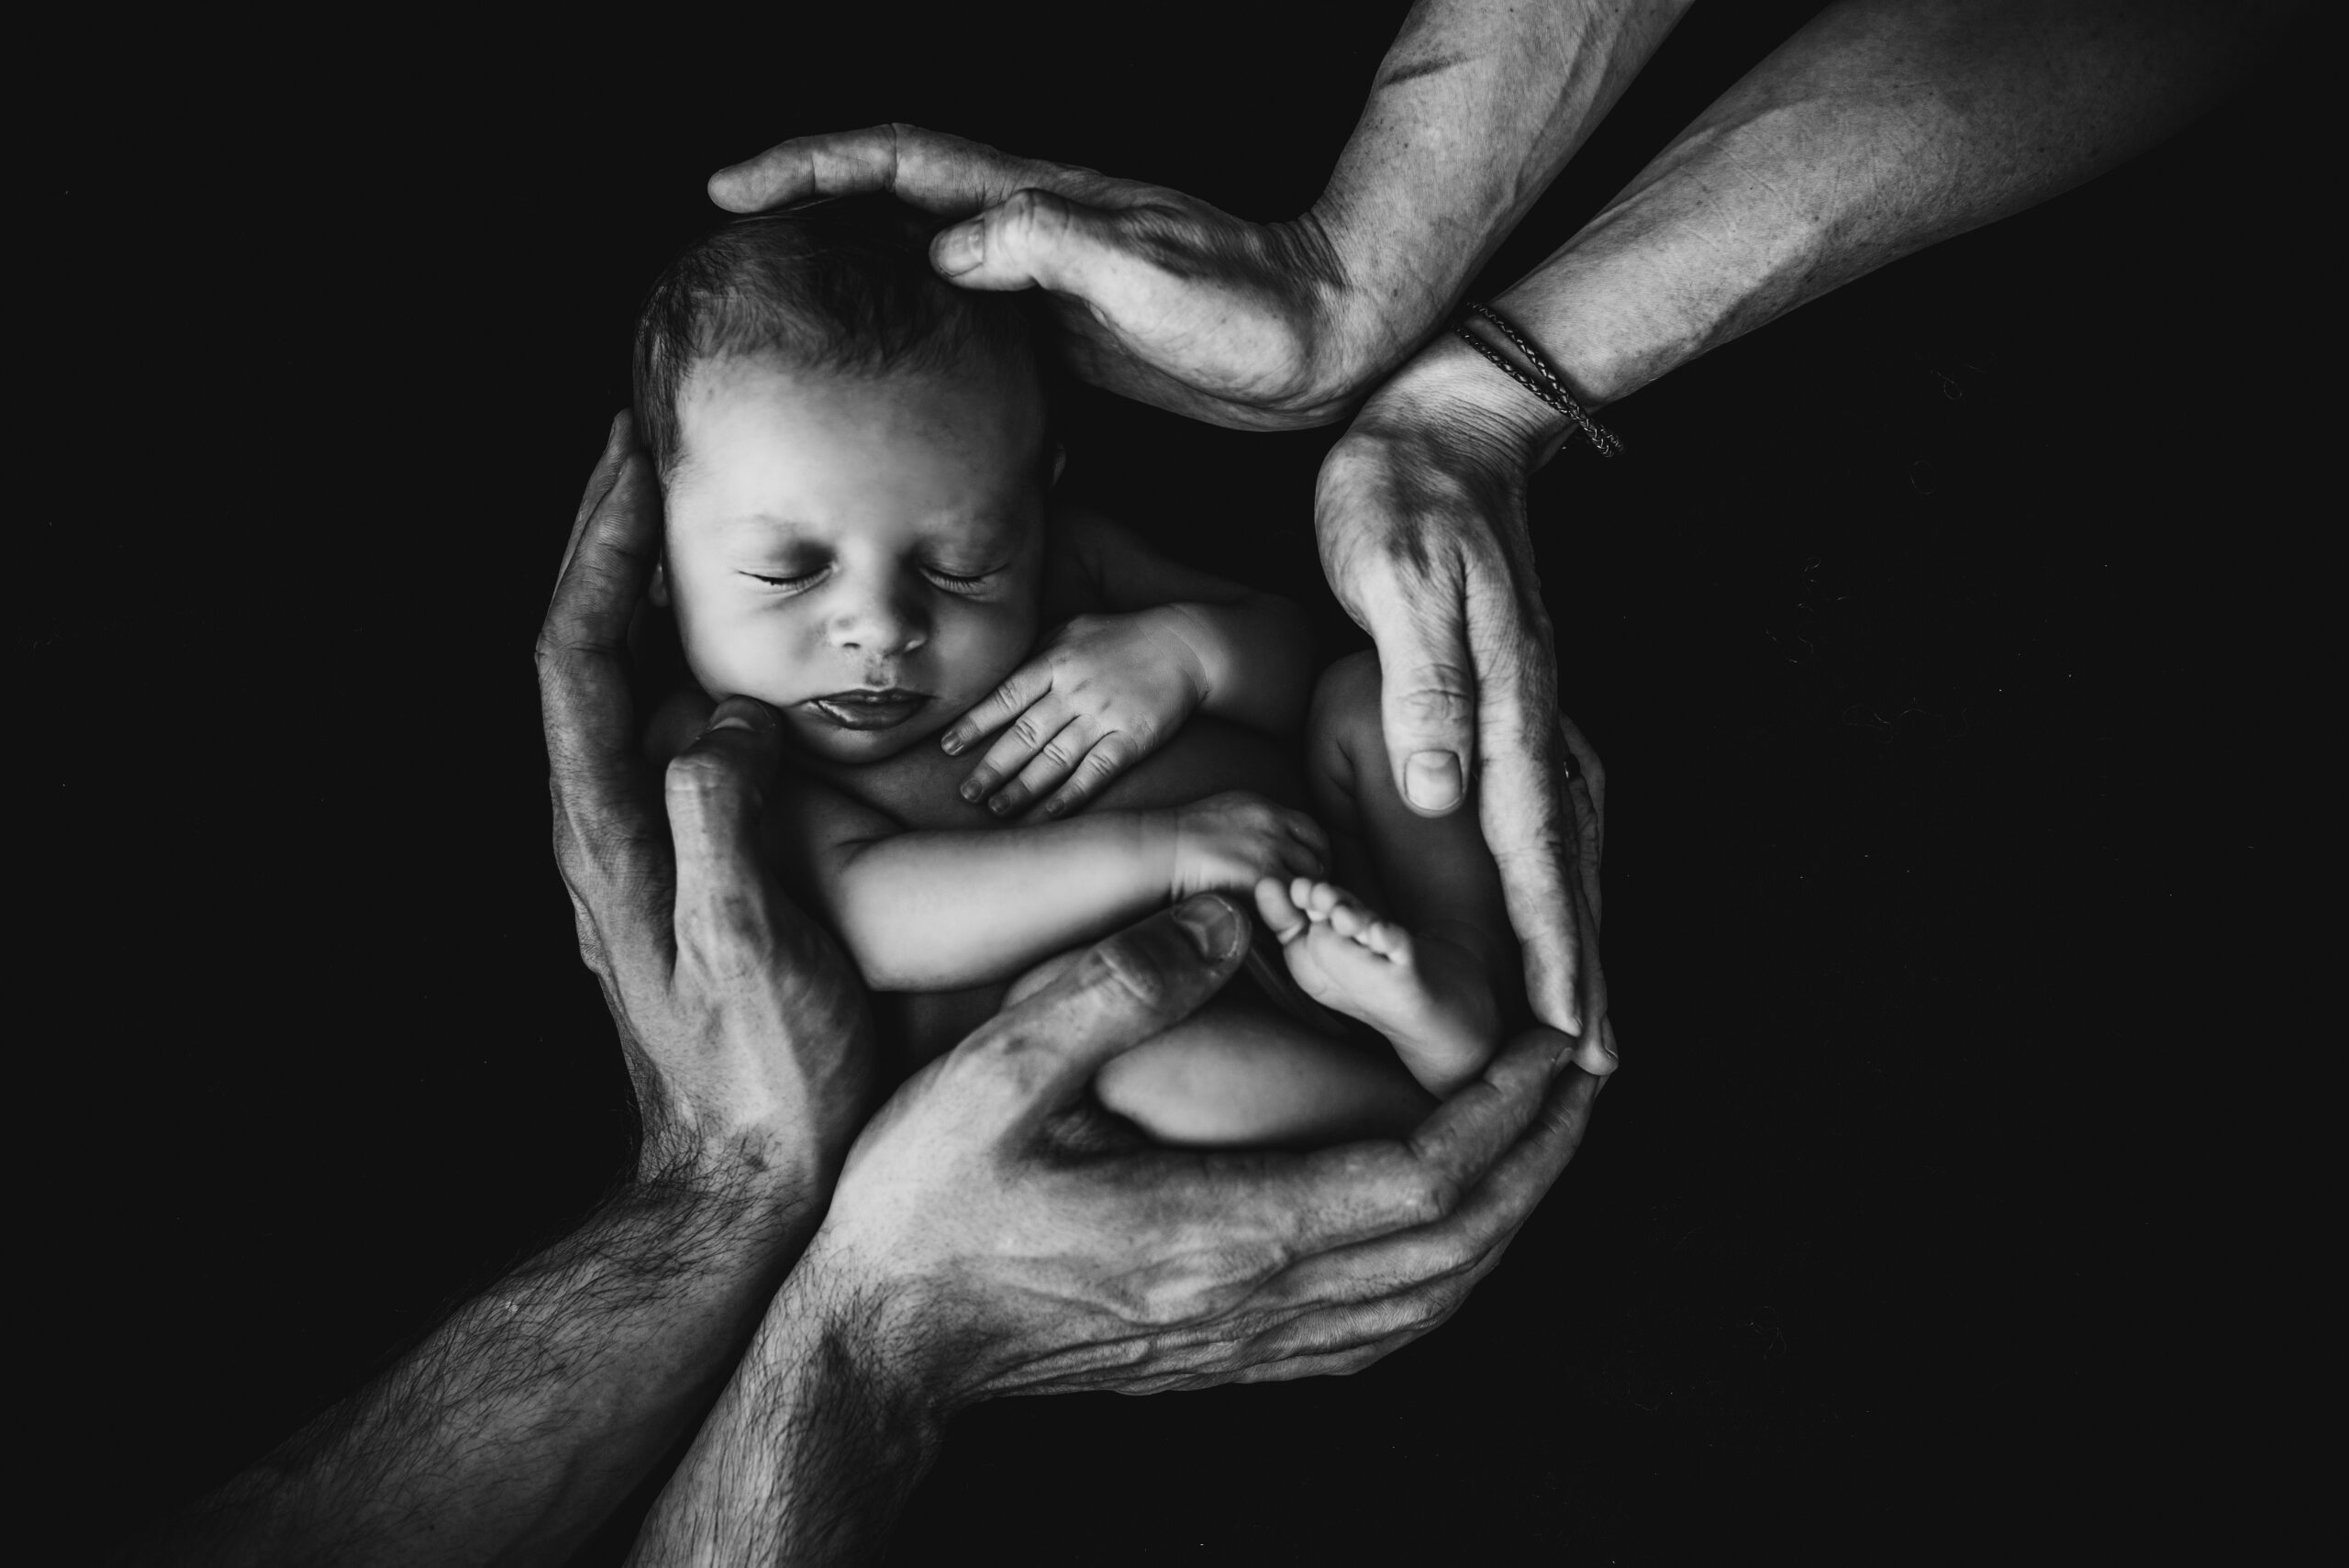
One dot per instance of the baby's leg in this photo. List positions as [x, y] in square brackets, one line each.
[1234, 1074]
[1436, 984]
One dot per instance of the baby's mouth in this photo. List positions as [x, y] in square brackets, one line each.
[868, 708]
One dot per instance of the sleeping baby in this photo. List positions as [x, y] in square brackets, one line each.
[857, 460]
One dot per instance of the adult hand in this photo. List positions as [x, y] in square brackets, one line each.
[1420, 516]
[989, 1237]
[746, 1033]
[1158, 297]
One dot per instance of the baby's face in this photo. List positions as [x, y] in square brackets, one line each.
[861, 553]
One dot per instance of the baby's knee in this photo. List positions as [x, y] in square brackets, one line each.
[1344, 725]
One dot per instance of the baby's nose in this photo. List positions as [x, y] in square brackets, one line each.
[886, 622]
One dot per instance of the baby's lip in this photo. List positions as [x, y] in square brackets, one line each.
[869, 708]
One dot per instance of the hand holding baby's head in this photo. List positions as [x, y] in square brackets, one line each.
[854, 457]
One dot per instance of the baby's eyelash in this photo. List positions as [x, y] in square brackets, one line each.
[958, 579]
[798, 580]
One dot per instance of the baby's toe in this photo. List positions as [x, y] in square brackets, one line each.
[1327, 896]
[1279, 908]
[1388, 939]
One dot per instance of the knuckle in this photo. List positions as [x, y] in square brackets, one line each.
[1438, 695]
[1125, 965]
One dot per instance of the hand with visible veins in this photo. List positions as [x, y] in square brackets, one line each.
[993, 1234]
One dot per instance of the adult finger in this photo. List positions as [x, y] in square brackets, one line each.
[716, 788]
[1427, 684]
[1495, 1201]
[925, 167]
[1039, 239]
[1000, 706]
[617, 442]
[608, 840]
[1523, 816]
[1333, 1199]
[1033, 1058]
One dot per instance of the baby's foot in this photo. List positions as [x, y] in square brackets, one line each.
[1428, 995]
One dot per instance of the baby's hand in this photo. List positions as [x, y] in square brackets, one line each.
[1104, 693]
[1225, 842]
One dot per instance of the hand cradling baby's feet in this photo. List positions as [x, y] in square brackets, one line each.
[1427, 995]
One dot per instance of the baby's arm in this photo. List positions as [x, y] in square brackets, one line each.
[939, 910]
[1162, 641]
[1254, 648]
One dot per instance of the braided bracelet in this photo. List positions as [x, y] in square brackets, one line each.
[1548, 389]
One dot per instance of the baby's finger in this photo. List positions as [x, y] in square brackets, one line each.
[1019, 689]
[1029, 731]
[1110, 756]
[1056, 759]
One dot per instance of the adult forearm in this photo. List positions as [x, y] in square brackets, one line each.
[810, 1452]
[1882, 126]
[512, 1431]
[1474, 109]
[934, 911]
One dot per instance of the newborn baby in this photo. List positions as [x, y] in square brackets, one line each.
[856, 460]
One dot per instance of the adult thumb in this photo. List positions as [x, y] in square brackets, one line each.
[1033, 238]
[1426, 702]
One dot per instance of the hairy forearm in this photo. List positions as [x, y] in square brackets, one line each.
[812, 1450]
[1474, 109]
[510, 1432]
[1882, 126]
[935, 911]
[1255, 656]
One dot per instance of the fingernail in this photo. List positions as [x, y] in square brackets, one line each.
[1431, 779]
[1214, 925]
[1000, 805]
[973, 789]
[952, 741]
[732, 721]
[1054, 807]
[959, 249]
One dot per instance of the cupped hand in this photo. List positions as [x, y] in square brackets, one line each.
[1421, 517]
[746, 1033]
[992, 1235]
[1099, 697]
[1159, 297]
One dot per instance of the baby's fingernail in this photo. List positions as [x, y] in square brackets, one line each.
[1214, 927]
[1054, 807]
[1432, 780]
[1000, 805]
[959, 249]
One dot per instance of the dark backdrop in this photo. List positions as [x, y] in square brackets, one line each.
[1941, 641]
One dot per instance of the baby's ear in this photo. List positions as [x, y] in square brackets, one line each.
[657, 591]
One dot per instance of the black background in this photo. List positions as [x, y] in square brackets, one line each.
[1946, 643]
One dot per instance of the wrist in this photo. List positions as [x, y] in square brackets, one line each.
[1479, 409]
[1368, 313]
[1198, 653]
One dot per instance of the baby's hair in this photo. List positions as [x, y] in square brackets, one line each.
[844, 285]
